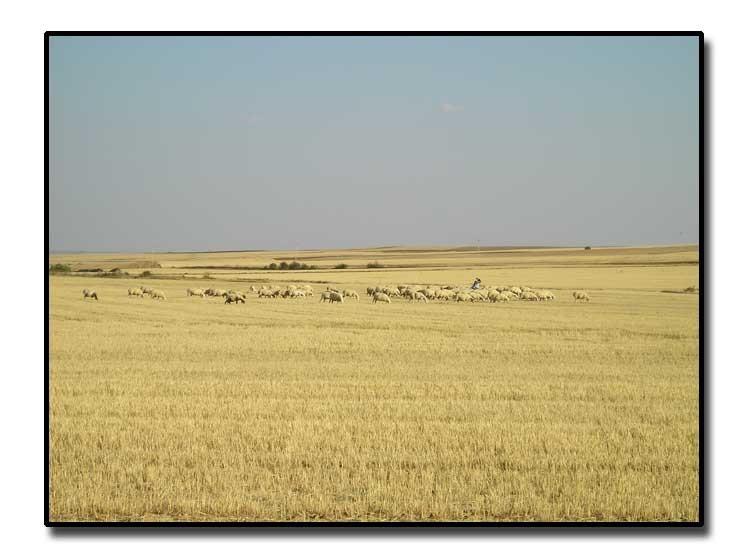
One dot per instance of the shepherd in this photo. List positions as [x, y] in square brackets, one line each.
[476, 284]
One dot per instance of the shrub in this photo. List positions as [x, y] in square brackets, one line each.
[341, 266]
[146, 274]
[59, 269]
[207, 276]
[587, 248]
[376, 264]
[283, 265]
[273, 266]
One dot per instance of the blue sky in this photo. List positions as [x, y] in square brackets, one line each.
[217, 143]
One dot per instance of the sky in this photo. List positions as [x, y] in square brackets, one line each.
[245, 143]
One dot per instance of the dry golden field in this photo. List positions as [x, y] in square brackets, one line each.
[190, 409]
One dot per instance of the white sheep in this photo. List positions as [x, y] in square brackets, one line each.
[421, 297]
[134, 291]
[545, 295]
[529, 296]
[380, 297]
[463, 297]
[325, 296]
[90, 293]
[580, 296]
[194, 292]
[158, 294]
[350, 293]
[516, 290]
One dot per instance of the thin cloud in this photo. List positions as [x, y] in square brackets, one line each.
[450, 108]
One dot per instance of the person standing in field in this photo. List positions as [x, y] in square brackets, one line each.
[476, 284]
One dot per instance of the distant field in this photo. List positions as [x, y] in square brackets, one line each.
[190, 409]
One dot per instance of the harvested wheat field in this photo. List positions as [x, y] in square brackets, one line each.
[289, 409]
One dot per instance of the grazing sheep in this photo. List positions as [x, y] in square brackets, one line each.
[545, 295]
[370, 291]
[252, 289]
[421, 297]
[158, 294]
[350, 293]
[429, 293]
[529, 296]
[146, 290]
[463, 297]
[516, 290]
[444, 295]
[325, 296]
[264, 292]
[380, 297]
[409, 294]
[298, 293]
[233, 298]
[336, 297]
[192, 292]
[136, 291]
[580, 296]
[90, 293]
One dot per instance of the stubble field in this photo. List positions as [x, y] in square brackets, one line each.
[190, 409]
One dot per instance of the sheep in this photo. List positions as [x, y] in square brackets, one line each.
[408, 294]
[580, 296]
[493, 296]
[380, 297]
[370, 291]
[325, 296]
[146, 290]
[137, 292]
[421, 297]
[444, 294]
[529, 296]
[233, 298]
[264, 292]
[545, 295]
[516, 290]
[193, 292]
[252, 289]
[350, 293]
[90, 293]
[463, 297]
[158, 294]
[510, 295]
[429, 293]
[336, 297]
[298, 293]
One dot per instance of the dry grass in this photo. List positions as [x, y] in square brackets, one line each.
[189, 409]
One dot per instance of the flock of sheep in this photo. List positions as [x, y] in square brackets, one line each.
[378, 294]
[491, 294]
